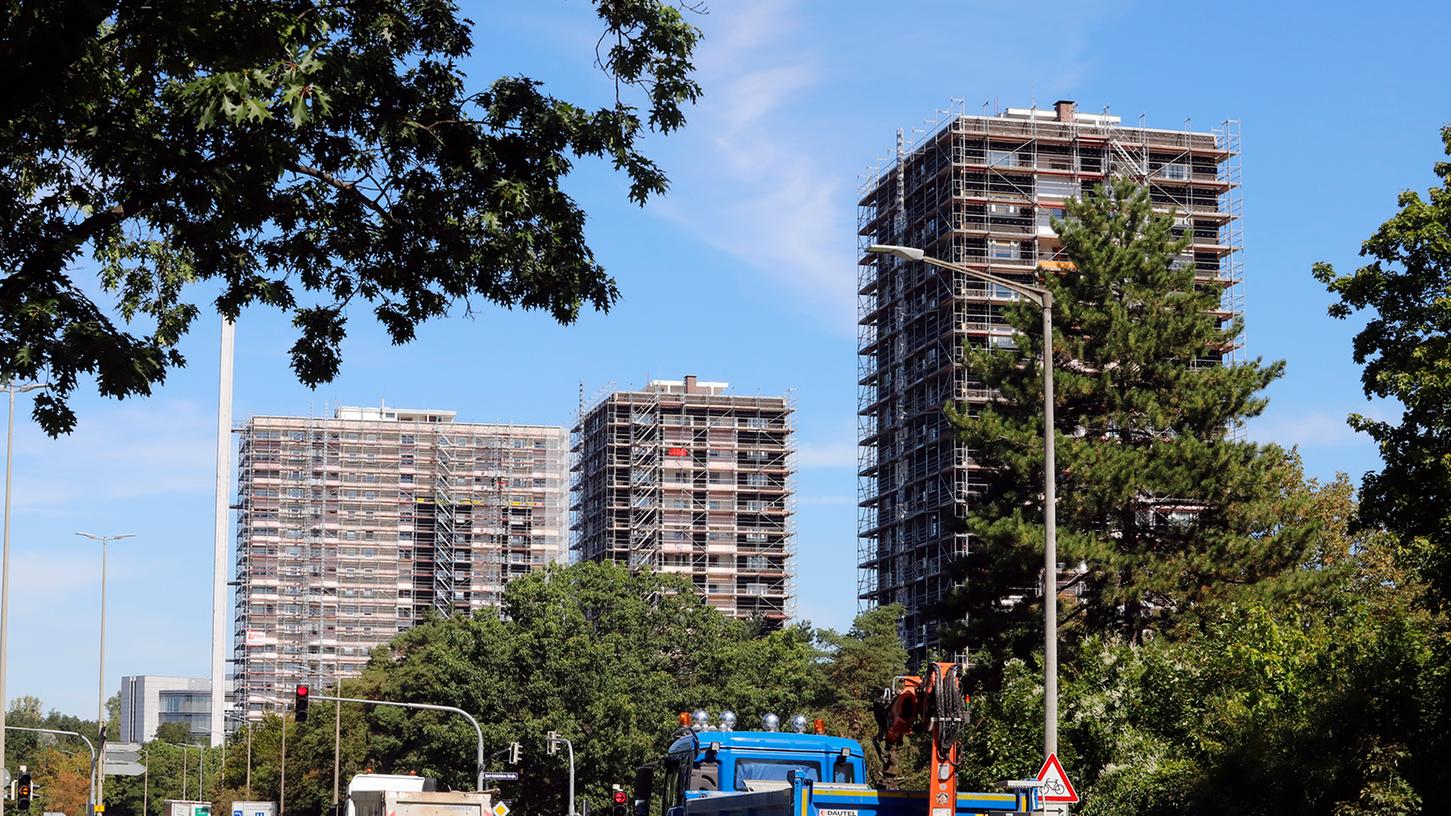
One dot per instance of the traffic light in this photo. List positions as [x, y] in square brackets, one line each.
[617, 802]
[22, 792]
[299, 704]
[513, 753]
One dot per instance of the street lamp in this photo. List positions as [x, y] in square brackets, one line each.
[282, 766]
[1044, 300]
[12, 390]
[234, 717]
[101, 685]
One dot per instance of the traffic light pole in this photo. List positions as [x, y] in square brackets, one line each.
[90, 793]
[553, 739]
[478, 732]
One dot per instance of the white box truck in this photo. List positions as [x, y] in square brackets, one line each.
[407, 795]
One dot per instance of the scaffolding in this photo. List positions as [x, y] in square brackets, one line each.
[682, 478]
[444, 512]
[981, 191]
[351, 528]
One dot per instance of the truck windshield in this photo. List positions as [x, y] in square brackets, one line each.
[774, 769]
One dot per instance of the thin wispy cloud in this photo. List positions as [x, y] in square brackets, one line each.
[1313, 430]
[117, 452]
[749, 181]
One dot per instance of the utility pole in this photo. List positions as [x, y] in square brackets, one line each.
[1042, 298]
[282, 775]
[101, 673]
[5, 560]
[337, 743]
[249, 759]
[183, 770]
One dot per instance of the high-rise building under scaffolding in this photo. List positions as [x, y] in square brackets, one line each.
[681, 477]
[980, 191]
[352, 528]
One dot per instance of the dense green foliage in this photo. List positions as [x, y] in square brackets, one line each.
[1169, 515]
[176, 732]
[606, 658]
[309, 156]
[1325, 706]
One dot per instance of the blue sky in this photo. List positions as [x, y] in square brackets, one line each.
[745, 272]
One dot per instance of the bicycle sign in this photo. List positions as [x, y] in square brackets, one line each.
[1056, 787]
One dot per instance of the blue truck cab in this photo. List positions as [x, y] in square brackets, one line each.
[770, 773]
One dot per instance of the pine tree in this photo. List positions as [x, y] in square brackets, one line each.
[1166, 511]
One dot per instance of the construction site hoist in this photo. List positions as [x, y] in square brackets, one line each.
[937, 705]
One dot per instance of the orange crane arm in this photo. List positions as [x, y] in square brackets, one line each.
[937, 705]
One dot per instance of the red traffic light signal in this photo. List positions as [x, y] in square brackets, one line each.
[619, 797]
[299, 704]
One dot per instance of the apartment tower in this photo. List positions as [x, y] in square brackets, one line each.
[352, 528]
[979, 191]
[682, 477]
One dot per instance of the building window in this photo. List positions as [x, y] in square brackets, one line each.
[1005, 250]
[1002, 158]
[1058, 188]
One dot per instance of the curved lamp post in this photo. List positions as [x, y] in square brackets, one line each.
[1044, 300]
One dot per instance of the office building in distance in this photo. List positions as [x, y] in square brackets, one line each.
[150, 700]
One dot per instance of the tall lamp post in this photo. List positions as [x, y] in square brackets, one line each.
[101, 674]
[1044, 300]
[12, 390]
[247, 721]
[282, 767]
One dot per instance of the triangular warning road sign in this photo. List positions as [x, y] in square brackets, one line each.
[1056, 787]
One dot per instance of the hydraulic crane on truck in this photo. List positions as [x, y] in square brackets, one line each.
[934, 703]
